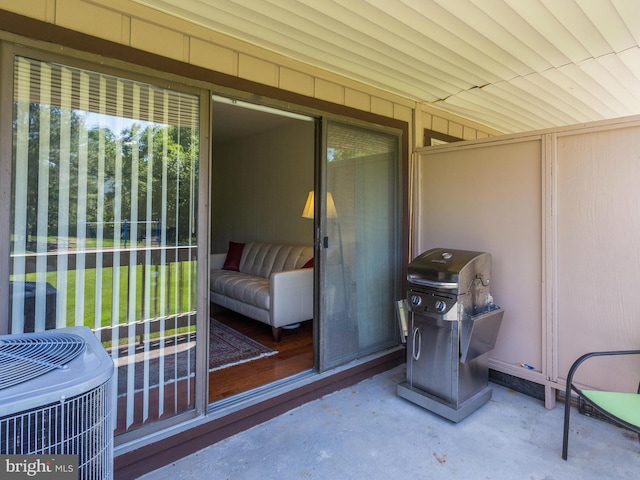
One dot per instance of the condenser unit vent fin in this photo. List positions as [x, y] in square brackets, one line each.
[23, 358]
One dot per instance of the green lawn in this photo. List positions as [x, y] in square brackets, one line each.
[171, 280]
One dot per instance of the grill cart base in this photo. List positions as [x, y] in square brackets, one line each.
[442, 408]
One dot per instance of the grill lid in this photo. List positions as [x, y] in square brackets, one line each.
[449, 269]
[24, 357]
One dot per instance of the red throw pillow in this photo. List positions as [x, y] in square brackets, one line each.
[232, 262]
[309, 263]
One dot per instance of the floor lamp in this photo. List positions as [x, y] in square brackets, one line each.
[332, 214]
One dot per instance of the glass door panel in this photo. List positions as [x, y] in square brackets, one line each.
[104, 201]
[361, 243]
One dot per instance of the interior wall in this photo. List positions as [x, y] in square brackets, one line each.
[260, 185]
[559, 211]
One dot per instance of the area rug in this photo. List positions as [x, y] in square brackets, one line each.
[227, 347]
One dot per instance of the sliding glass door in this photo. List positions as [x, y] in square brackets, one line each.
[360, 242]
[103, 225]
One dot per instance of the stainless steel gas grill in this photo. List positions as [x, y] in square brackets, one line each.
[453, 324]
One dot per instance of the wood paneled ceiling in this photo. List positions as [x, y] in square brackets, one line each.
[513, 65]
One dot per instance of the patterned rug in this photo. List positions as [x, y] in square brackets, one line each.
[227, 347]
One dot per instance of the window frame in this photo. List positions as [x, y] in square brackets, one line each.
[8, 52]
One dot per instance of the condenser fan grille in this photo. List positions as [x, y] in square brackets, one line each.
[25, 358]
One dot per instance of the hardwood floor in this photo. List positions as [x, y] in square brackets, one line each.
[295, 355]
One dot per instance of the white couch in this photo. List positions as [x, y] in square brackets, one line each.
[270, 285]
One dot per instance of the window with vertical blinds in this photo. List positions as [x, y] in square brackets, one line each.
[103, 230]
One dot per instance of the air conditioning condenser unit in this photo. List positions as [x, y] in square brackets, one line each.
[56, 398]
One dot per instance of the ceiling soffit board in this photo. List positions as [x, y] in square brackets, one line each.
[567, 109]
[545, 63]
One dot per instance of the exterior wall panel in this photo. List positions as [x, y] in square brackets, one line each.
[356, 99]
[156, 39]
[213, 57]
[258, 70]
[297, 82]
[329, 91]
[73, 14]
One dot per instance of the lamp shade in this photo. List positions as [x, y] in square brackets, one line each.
[308, 211]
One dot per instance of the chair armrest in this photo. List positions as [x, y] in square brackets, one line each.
[599, 401]
[291, 295]
[216, 260]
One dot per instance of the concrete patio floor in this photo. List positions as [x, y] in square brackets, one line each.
[367, 432]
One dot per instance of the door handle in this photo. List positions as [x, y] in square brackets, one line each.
[417, 344]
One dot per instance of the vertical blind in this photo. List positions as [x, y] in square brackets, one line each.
[103, 230]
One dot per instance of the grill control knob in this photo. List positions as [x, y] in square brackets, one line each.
[440, 306]
[416, 300]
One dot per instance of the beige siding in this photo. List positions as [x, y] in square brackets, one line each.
[439, 124]
[213, 57]
[469, 133]
[432, 119]
[38, 9]
[258, 70]
[73, 14]
[156, 39]
[329, 91]
[381, 107]
[356, 99]
[455, 129]
[297, 82]
[403, 113]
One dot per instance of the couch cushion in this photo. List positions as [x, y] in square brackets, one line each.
[234, 254]
[263, 259]
[240, 286]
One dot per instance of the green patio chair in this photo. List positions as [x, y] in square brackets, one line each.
[620, 407]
